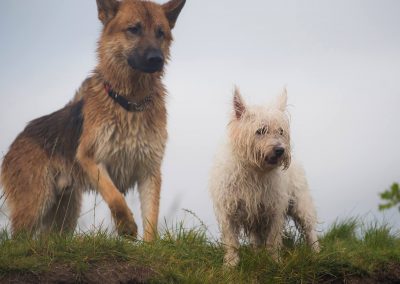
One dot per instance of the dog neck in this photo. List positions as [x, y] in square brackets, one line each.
[126, 103]
[133, 91]
[131, 84]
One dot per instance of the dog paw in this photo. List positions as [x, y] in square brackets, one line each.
[315, 247]
[126, 225]
[274, 253]
[150, 236]
[128, 229]
[231, 260]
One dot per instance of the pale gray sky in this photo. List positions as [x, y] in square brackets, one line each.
[340, 61]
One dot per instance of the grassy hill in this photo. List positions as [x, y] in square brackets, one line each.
[351, 253]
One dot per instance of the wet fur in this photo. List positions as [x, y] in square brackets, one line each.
[93, 143]
[252, 197]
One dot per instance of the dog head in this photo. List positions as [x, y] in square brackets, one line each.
[136, 34]
[260, 134]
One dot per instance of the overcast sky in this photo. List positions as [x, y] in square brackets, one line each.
[340, 61]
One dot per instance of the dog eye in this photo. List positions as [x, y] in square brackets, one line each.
[281, 131]
[135, 29]
[261, 131]
[160, 33]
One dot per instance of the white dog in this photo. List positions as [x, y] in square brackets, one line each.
[254, 185]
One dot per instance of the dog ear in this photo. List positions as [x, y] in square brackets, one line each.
[107, 9]
[281, 101]
[238, 104]
[172, 10]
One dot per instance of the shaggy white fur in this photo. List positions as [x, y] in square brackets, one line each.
[254, 184]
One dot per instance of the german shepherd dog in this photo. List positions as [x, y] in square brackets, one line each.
[110, 138]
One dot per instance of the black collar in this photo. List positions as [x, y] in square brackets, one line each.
[126, 104]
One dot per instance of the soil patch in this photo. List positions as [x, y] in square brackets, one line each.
[96, 273]
[387, 274]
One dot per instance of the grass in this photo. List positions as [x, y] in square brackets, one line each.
[349, 250]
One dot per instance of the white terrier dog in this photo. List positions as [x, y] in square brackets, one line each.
[255, 186]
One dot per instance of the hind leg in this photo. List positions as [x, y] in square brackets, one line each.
[256, 239]
[27, 208]
[63, 215]
[25, 218]
[28, 200]
[257, 235]
[28, 186]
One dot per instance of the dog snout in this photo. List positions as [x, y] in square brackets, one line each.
[155, 58]
[279, 151]
[149, 61]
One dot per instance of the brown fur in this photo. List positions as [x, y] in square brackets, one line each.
[93, 143]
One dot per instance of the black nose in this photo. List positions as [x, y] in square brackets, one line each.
[155, 58]
[279, 151]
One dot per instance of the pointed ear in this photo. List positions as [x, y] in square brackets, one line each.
[172, 10]
[281, 101]
[238, 104]
[107, 9]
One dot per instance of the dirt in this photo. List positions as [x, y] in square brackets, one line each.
[387, 274]
[97, 273]
[124, 273]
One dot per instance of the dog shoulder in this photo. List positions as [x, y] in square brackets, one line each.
[59, 132]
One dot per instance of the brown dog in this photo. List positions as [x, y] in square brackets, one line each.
[110, 138]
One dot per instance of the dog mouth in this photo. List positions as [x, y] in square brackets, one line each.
[146, 68]
[273, 161]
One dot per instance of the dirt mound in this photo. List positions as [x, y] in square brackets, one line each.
[387, 274]
[126, 273]
[96, 273]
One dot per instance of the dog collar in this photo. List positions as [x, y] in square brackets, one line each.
[126, 104]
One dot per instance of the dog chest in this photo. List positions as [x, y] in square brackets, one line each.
[131, 151]
[251, 196]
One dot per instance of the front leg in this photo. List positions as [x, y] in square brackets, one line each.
[274, 233]
[230, 241]
[100, 180]
[149, 193]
